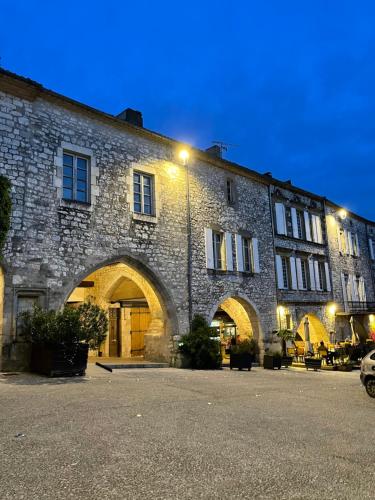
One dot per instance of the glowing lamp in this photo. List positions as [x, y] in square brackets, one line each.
[332, 309]
[343, 213]
[184, 155]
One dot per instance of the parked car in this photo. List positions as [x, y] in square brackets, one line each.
[368, 373]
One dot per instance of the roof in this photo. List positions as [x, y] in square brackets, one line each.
[25, 87]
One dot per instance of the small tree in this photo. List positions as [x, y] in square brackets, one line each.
[285, 335]
[94, 324]
[200, 347]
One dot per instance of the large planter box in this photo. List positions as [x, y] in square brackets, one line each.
[59, 361]
[286, 361]
[241, 361]
[313, 363]
[271, 362]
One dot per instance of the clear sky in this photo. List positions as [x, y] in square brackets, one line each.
[290, 83]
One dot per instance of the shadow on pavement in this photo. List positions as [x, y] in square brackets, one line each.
[24, 378]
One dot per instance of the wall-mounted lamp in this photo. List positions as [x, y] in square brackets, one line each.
[184, 156]
[332, 308]
[342, 213]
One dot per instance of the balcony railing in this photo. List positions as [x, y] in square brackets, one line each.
[361, 307]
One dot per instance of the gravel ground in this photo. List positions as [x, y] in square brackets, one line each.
[176, 434]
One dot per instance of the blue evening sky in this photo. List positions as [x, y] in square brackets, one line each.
[290, 83]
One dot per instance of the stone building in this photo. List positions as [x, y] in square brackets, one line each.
[106, 210]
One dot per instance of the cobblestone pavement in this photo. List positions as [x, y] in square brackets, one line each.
[171, 434]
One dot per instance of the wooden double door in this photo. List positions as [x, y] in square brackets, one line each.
[119, 331]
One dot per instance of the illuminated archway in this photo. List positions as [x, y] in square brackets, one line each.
[138, 316]
[317, 330]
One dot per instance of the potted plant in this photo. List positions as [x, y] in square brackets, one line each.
[272, 360]
[60, 340]
[314, 363]
[286, 335]
[243, 354]
[200, 348]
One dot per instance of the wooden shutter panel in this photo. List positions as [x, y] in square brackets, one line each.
[307, 225]
[294, 222]
[314, 228]
[312, 274]
[228, 251]
[239, 254]
[346, 239]
[318, 285]
[299, 273]
[357, 244]
[318, 223]
[362, 290]
[293, 273]
[328, 277]
[344, 291]
[350, 242]
[255, 251]
[280, 218]
[339, 239]
[372, 249]
[354, 287]
[209, 249]
[279, 273]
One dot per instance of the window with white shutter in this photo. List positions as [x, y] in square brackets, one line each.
[239, 254]
[209, 249]
[371, 245]
[280, 218]
[229, 251]
[255, 255]
[328, 277]
[279, 273]
[293, 273]
[312, 275]
[293, 212]
[306, 216]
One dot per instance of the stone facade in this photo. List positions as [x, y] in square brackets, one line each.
[211, 241]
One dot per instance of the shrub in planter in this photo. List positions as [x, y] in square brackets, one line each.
[272, 360]
[61, 339]
[314, 363]
[243, 354]
[200, 348]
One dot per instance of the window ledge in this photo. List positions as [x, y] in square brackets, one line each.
[80, 205]
[144, 218]
[300, 240]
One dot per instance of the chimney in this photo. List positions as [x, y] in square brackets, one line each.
[215, 151]
[131, 116]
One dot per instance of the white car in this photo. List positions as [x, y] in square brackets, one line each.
[368, 373]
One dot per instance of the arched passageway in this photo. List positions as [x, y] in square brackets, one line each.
[312, 330]
[235, 319]
[136, 312]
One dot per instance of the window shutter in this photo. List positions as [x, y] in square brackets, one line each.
[293, 273]
[346, 238]
[350, 241]
[279, 272]
[229, 251]
[312, 274]
[318, 223]
[209, 249]
[362, 290]
[357, 244]
[307, 225]
[328, 277]
[255, 250]
[294, 222]
[299, 273]
[339, 239]
[354, 288]
[239, 254]
[317, 278]
[280, 218]
[314, 228]
[372, 249]
[344, 291]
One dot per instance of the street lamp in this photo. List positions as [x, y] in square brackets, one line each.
[184, 156]
[342, 213]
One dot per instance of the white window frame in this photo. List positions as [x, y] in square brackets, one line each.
[143, 176]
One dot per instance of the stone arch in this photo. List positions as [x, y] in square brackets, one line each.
[243, 312]
[163, 317]
[318, 331]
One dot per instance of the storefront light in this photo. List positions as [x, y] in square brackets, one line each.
[332, 308]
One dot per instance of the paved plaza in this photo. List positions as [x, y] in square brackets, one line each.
[176, 434]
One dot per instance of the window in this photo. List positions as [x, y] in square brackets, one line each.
[230, 192]
[75, 178]
[300, 221]
[304, 273]
[246, 252]
[284, 263]
[322, 276]
[217, 240]
[143, 193]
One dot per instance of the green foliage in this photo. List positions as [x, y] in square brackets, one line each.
[5, 209]
[249, 346]
[200, 347]
[87, 324]
[286, 334]
[275, 354]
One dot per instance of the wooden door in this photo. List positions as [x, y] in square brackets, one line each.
[140, 320]
[114, 332]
